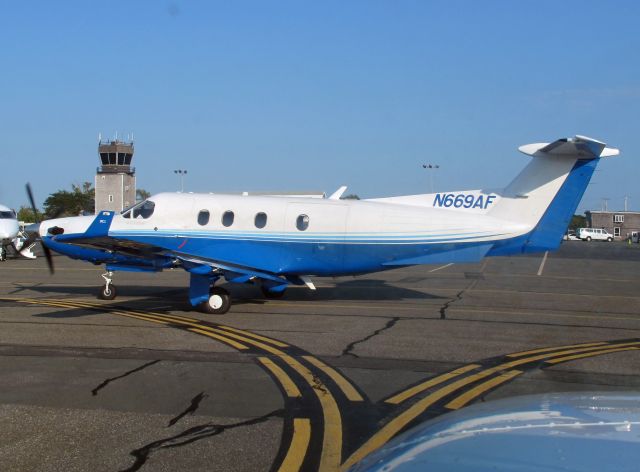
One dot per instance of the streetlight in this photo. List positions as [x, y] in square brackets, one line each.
[181, 173]
[431, 168]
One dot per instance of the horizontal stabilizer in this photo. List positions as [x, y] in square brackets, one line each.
[580, 147]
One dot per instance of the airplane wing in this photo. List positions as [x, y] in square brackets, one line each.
[120, 253]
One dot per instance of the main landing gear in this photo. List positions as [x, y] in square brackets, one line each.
[218, 303]
[206, 297]
[108, 292]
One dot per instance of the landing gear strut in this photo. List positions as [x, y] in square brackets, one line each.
[218, 302]
[108, 292]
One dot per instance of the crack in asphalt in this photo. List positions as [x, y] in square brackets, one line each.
[95, 391]
[195, 404]
[348, 351]
[445, 307]
[193, 434]
[318, 384]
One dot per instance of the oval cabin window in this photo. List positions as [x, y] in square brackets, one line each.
[302, 223]
[260, 220]
[203, 217]
[227, 218]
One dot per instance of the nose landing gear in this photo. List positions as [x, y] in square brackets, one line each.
[108, 292]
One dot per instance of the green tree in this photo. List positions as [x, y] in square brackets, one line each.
[25, 214]
[81, 199]
[577, 221]
[142, 194]
[351, 196]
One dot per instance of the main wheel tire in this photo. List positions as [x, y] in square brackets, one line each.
[108, 292]
[218, 303]
[272, 295]
[588, 239]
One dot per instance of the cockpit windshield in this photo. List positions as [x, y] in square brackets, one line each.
[7, 215]
[141, 210]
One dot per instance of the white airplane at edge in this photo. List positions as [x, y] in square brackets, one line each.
[9, 232]
[278, 241]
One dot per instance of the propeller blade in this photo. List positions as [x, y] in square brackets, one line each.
[32, 202]
[47, 255]
[31, 240]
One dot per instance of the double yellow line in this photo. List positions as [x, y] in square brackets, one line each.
[331, 454]
[298, 371]
[499, 374]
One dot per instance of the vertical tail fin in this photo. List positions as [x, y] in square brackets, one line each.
[545, 195]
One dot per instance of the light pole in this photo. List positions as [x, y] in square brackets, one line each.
[181, 173]
[430, 168]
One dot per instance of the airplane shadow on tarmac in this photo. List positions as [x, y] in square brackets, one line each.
[163, 298]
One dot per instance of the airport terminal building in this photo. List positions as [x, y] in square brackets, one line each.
[619, 223]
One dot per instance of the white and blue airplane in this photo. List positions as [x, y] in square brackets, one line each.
[279, 241]
[10, 235]
[9, 229]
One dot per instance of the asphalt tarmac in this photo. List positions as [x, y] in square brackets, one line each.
[313, 381]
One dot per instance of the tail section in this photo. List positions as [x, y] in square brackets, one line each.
[545, 195]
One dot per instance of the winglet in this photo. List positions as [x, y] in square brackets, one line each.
[100, 226]
[338, 193]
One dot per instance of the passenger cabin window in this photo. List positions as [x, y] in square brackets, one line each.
[227, 218]
[260, 220]
[203, 217]
[302, 223]
[142, 210]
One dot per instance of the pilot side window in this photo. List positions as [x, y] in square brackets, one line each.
[302, 223]
[260, 220]
[203, 217]
[141, 210]
[7, 215]
[227, 218]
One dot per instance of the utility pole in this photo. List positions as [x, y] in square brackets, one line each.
[605, 204]
[181, 173]
[430, 168]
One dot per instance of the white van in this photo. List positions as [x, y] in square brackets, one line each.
[596, 234]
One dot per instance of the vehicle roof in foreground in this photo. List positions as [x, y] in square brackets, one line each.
[559, 432]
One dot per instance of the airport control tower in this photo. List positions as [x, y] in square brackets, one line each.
[115, 178]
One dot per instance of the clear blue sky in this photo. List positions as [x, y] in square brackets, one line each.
[312, 95]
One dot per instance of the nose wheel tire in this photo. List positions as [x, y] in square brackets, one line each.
[218, 303]
[108, 292]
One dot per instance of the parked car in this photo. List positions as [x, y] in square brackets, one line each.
[571, 236]
[595, 234]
